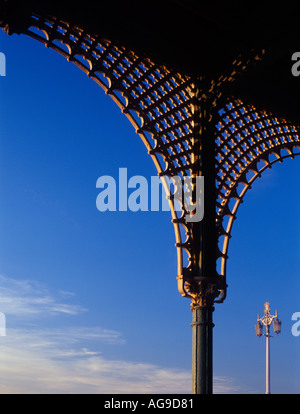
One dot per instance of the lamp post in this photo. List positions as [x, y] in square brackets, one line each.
[267, 320]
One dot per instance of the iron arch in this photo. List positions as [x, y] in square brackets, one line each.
[162, 106]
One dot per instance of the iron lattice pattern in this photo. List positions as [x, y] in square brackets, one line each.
[247, 143]
[160, 103]
[157, 101]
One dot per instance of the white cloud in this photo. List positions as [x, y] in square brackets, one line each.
[26, 298]
[55, 361]
[69, 359]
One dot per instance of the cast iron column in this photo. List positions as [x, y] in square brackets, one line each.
[203, 282]
[202, 325]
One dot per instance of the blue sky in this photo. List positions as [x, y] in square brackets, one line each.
[91, 298]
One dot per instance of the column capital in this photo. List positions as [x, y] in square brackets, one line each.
[202, 291]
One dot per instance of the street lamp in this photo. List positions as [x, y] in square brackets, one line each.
[267, 320]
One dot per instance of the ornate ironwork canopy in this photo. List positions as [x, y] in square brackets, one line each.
[196, 38]
[204, 85]
[162, 105]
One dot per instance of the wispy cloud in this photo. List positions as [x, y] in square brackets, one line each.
[70, 359]
[56, 362]
[27, 298]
